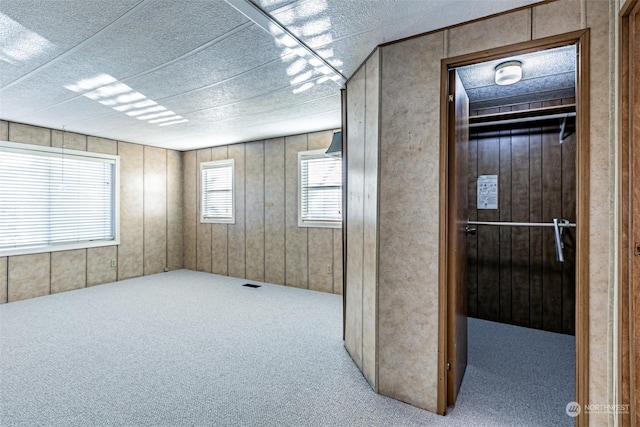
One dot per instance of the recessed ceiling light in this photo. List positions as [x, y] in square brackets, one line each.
[508, 73]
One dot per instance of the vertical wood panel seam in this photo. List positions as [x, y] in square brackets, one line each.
[333, 267]
[212, 225]
[193, 177]
[244, 219]
[306, 229]
[245, 213]
[445, 47]
[529, 219]
[8, 259]
[226, 226]
[364, 174]
[196, 171]
[49, 273]
[511, 235]
[166, 210]
[144, 266]
[50, 144]
[118, 213]
[308, 269]
[500, 229]
[6, 273]
[264, 212]
[531, 23]
[187, 158]
[86, 268]
[529, 229]
[283, 219]
[284, 209]
[542, 238]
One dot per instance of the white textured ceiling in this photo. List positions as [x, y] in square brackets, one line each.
[186, 74]
[546, 74]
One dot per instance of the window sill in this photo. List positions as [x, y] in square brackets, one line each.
[319, 224]
[57, 248]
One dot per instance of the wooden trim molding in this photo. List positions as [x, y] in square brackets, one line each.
[624, 266]
[523, 114]
[443, 288]
[581, 40]
[582, 221]
[629, 211]
[345, 192]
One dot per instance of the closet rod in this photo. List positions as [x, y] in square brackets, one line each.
[522, 120]
[521, 224]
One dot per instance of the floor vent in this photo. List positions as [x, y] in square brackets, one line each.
[251, 285]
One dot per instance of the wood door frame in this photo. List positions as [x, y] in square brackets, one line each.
[581, 40]
[628, 297]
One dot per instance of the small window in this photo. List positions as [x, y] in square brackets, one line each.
[53, 199]
[217, 192]
[320, 190]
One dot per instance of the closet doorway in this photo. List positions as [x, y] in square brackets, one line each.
[514, 209]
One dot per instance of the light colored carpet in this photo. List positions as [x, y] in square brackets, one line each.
[193, 349]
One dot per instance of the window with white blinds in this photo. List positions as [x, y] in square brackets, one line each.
[217, 192]
[53, 199]
[320, 195]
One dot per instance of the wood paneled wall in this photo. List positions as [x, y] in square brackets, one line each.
[514, 276]
[265, 243]
[150, 221]
[361, 333]
[409, 286]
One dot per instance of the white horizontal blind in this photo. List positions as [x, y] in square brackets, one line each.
[50, 199]
[320, 189]
[217, 191]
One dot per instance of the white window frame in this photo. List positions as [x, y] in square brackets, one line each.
[212, 165]
[58, 152]
[313, 154]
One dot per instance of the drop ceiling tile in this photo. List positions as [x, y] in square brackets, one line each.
[33, 34]
[318, 115]
[345, 53]
[202, 60]
[150, 38]
[271, 79]
[269, 103]
[51, 89]
[156, 33]
[237, 54]
[251, 116]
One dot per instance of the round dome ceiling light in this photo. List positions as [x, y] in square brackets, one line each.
[508, 73]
